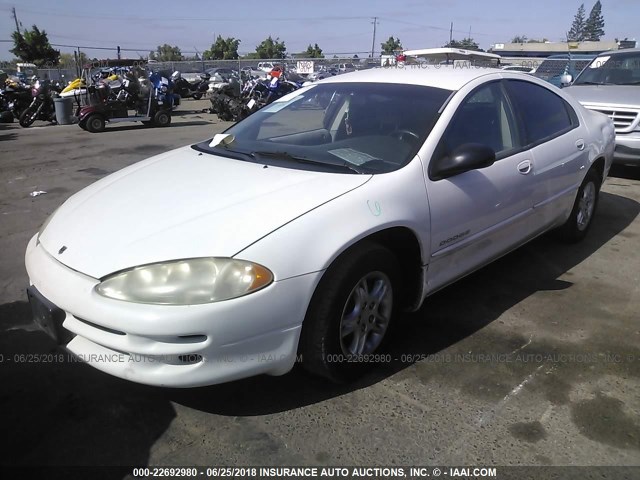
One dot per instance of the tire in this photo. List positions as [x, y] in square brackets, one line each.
[162, 118]
[94, 123]
[583, 211]
[82, 125]
[350, 313]
[28, 117]
[197, 96]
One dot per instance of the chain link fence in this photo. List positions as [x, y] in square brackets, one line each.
[68, 71]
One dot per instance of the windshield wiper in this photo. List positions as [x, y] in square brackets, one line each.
[288, 156]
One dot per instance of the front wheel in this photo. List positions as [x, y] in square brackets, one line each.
[197, 96]
[28, 116]
[350, 314]
[94, 123]
[584, 208]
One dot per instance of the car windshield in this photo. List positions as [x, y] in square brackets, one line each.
[345, 127]
[619, 69]
[553, 67]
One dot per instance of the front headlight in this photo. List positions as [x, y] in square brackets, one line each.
[186, 282]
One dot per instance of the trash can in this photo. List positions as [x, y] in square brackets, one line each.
[64, 110]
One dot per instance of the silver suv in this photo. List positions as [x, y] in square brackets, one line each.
[610, 84]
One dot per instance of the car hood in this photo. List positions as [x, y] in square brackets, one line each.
[182, 204]
[606, 95]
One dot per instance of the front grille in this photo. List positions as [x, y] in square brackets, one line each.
[623, 119]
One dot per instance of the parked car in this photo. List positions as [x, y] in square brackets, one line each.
[267, 66]
[555, 68]
[611, 85]
[299, 232]
[345, 67]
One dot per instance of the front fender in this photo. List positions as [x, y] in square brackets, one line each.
[86, 111]
[313, 241]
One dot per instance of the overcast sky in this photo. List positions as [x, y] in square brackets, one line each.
[336, 25]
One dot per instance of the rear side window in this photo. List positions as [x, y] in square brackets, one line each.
[542, 113]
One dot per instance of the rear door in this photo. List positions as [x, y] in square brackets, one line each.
[556, 138]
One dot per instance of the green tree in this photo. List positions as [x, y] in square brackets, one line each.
[222, 49]
[466, 43]
[391, 45]
[166, 53]
[520, 39]
[313, 52]
[270, 48]
[576, 33]
[535, 40]
[33, 46]
[594, 26]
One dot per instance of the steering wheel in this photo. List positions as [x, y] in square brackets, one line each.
[405, 135]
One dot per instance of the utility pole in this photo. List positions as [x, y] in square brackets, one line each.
[15, 18]
[373, 43]
[451, 34]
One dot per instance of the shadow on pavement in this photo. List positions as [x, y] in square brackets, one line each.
[57, 412]
[138, 126]
[625, 171]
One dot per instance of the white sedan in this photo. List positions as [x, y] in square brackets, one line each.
[299, 233]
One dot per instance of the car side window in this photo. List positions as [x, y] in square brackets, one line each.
[543, 113]
[484, 117]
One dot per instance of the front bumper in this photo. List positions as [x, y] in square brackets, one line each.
[176, 346]
[627, 150]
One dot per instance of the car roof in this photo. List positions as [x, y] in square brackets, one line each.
[446, 77]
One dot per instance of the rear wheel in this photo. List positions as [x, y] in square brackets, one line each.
[584, 208]
[28, 116]
[350, 314]
[162, 118]
[94, 123]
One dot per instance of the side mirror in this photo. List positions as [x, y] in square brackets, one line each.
[565, 79]
[469, 156]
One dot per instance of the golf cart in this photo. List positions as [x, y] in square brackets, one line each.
[141, 96]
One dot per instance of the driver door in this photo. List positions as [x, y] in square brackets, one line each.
[480, 214]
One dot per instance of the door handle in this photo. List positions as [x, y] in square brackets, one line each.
[580, 144]
[524, 167]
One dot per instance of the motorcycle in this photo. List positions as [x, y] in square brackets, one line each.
[227, 102]
[41, 107]
[233, 104]
[186, 89]
[15, 98]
